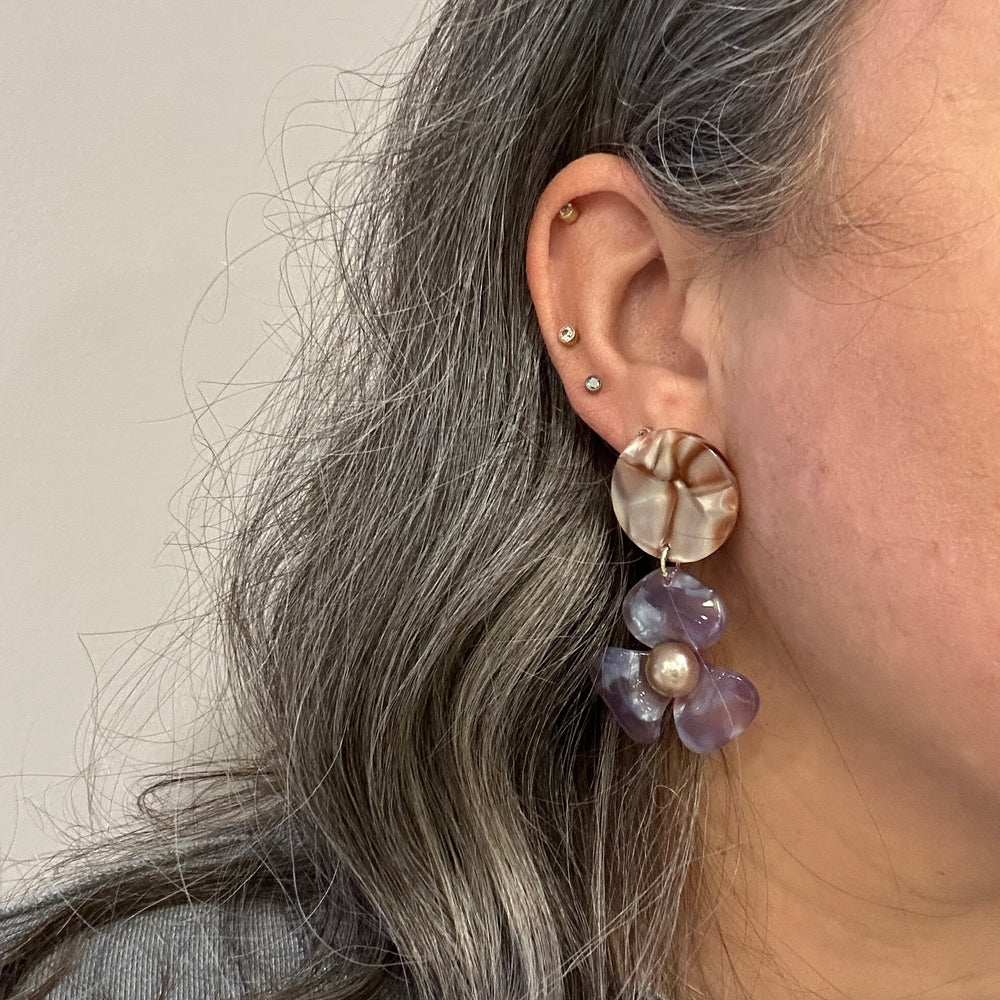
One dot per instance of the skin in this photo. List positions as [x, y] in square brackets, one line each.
[855, 392]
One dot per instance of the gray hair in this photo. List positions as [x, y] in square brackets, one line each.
[429, 559]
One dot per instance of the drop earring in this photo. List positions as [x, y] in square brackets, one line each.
[676, 498]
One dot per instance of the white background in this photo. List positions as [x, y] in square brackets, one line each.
[132, 140]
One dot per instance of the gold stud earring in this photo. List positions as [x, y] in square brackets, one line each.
[569, 213]
[592, 383]
[567, 335]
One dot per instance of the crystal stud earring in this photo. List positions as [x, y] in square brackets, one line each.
[569, 213]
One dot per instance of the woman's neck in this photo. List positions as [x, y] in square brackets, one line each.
[839, 868]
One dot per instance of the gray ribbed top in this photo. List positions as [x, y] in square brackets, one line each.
[184, 952]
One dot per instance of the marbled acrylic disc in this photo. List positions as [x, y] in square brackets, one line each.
[672, 488]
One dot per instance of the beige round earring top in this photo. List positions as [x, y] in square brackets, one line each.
[672, 488]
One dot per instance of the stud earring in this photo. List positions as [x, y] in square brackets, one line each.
[676, 498]
[592, 383]
[567, 335]
[569, 213]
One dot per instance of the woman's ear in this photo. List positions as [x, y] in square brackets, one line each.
[641, 293]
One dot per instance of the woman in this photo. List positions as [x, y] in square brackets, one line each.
[768, 225]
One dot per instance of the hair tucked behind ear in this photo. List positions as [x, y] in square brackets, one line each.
[428, 557]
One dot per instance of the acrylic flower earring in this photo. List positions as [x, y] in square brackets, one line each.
[676, 498]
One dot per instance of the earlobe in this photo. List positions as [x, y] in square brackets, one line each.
[619, 289]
